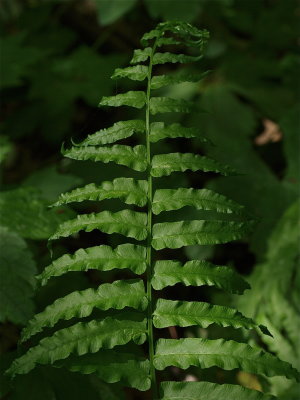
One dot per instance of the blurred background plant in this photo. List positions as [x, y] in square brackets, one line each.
[56, 60]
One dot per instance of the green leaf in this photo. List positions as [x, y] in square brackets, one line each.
[136, 73]
[111, 11]
[136, 99]
[132, 157]
[119, 130]
[173, 10]
[113, 366]
[197, 273]
[102, 258]
[167, 104]
[165, 164]
[82, 338]
[189, 313]
[209, 391]
[129, 190]
[141, 55]
[174, 235]
[201, 199]
[158, 131]
[17, 270]
[126, 222]
[163, 58]
[159, 81]
[205, 353]
[24, 211]
[117, 295]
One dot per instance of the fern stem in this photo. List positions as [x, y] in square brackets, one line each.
[149, 223]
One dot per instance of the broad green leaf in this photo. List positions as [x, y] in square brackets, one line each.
[136, 99]
[17, 270]
[126, 222]
[25, 212]
[189, 313]
[135, 73]
[201, 199]
[197, 273]
[117, 295]
[159, 81]
[165, 164]
[209, 391]
[158, 131]
[82, 338]
[102, 258]
[167, 104]
[132, 157]
[205, 353]
[127, 189]
[141, 55]
[119, 130]
[113, 366]
[163, 58]
[174, 235]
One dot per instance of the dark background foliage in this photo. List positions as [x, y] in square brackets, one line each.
[56, 60]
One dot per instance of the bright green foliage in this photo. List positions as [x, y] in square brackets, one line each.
[103, 258]
[126, 189]
[209, 391]
[83, 338]
[206, 353]
[164, 165]
[87, 346]
[197, 273]
[119, 130]
[203, 199]
[124, 155]
[118, 295]
[126, 222]
[174, 235]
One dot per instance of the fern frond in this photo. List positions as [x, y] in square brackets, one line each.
[83, 338]
[119, 130]
[126, 222]
[129, 190]
[141, 55]
[132, 157]
[135, 73]
[112, 366]
[163, 58]
[159, 131]
[117, 295]
[174, 235]
[197, 273]
[209, 391]
[167, 104]
[165, 164]
[160, 81]
[102, 258]
[228, 355]
[188, 313]
[202, 199]
[136, 99]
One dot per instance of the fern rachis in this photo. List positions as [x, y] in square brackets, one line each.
[92, 346]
